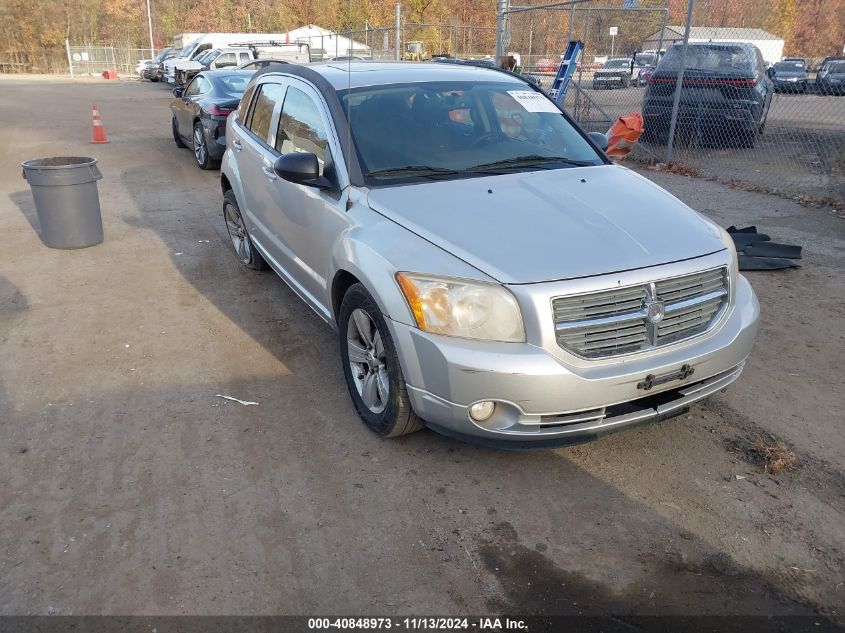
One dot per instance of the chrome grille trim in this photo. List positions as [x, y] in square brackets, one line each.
[614, 322]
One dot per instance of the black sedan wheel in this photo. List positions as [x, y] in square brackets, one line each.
[201, 149]
[176, 137]
[236, 227]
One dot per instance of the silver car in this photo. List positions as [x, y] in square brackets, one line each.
[489, 272]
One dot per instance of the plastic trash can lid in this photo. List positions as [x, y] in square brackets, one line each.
[58, 162]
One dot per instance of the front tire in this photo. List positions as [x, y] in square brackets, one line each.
[236, 227]
[178, 139]
[371, 367]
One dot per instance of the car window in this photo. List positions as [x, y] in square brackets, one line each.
[243, 57]
[224, 60]
[234, 83]
[262, 110]
[243, 106]
[199, 85]
[618, 63]
[301, 127]
[716, 57]
[835, 67]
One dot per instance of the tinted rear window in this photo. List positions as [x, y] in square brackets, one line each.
[714, 57]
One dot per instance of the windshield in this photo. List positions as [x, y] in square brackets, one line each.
[789, 67]
[161, 54]
[725, 58]
[207, 58]
[836, 67]
[459, 129]
[644, 60]
[186, 52]
[618, 63]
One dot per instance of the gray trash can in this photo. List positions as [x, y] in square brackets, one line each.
[66, 200]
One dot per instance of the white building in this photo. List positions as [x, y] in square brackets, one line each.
[770, 45]
[327, 43]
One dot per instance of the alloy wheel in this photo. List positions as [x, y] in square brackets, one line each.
[237, 232]
[367, 360]
[199, 146]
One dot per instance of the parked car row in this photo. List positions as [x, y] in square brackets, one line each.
[382, 198]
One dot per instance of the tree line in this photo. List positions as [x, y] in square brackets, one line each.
[33, 32]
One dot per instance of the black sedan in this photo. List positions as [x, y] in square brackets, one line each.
[616, 73]
[200, 111]
[789, 76]
[831, 77]
[725, 95]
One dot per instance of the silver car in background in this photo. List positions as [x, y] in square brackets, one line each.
[489, 272]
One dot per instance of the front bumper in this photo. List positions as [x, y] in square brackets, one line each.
[544, 399]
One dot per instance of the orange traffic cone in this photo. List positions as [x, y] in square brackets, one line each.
[98, 132]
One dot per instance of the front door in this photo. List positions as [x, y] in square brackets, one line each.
[308, 221]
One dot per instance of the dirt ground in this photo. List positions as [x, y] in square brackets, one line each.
[128, 487]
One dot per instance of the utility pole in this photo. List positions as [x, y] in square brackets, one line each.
[398, 26]
[150, 26]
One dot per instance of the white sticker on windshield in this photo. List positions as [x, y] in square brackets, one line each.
[533, 101]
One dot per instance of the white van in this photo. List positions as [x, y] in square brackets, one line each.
[181, 40]
[207, 41]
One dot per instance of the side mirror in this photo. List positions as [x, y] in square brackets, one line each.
[599, 139]
[177, 92]
[301, 168]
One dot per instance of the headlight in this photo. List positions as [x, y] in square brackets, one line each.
[467, 309]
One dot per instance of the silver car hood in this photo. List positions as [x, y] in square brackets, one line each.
[551, 225]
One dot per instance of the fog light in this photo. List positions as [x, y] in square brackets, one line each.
[482, 411]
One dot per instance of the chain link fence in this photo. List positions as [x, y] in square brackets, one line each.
[737, 103]
[92, 59]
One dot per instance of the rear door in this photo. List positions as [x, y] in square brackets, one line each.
[252, 147]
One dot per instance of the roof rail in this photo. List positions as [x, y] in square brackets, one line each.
[277, 43]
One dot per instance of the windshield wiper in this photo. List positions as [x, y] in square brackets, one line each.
[413, 170]
[529, 161]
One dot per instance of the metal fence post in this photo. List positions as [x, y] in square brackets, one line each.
[501, 28]
[679, 82]
[69, 60]
[397, 24]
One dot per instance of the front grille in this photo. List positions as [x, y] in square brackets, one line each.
[613, 322]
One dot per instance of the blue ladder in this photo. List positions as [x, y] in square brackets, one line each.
[564, 73]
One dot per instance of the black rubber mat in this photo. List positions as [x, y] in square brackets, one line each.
[773, 249]
[765, 263]
[743, 240]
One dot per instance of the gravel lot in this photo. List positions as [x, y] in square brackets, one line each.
[127, 487]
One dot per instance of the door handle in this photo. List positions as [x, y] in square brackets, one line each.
[237, 145]
[269, 174]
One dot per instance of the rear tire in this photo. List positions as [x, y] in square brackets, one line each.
[201, 155]
[373, 375]
[175, 126]
[238, 234]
